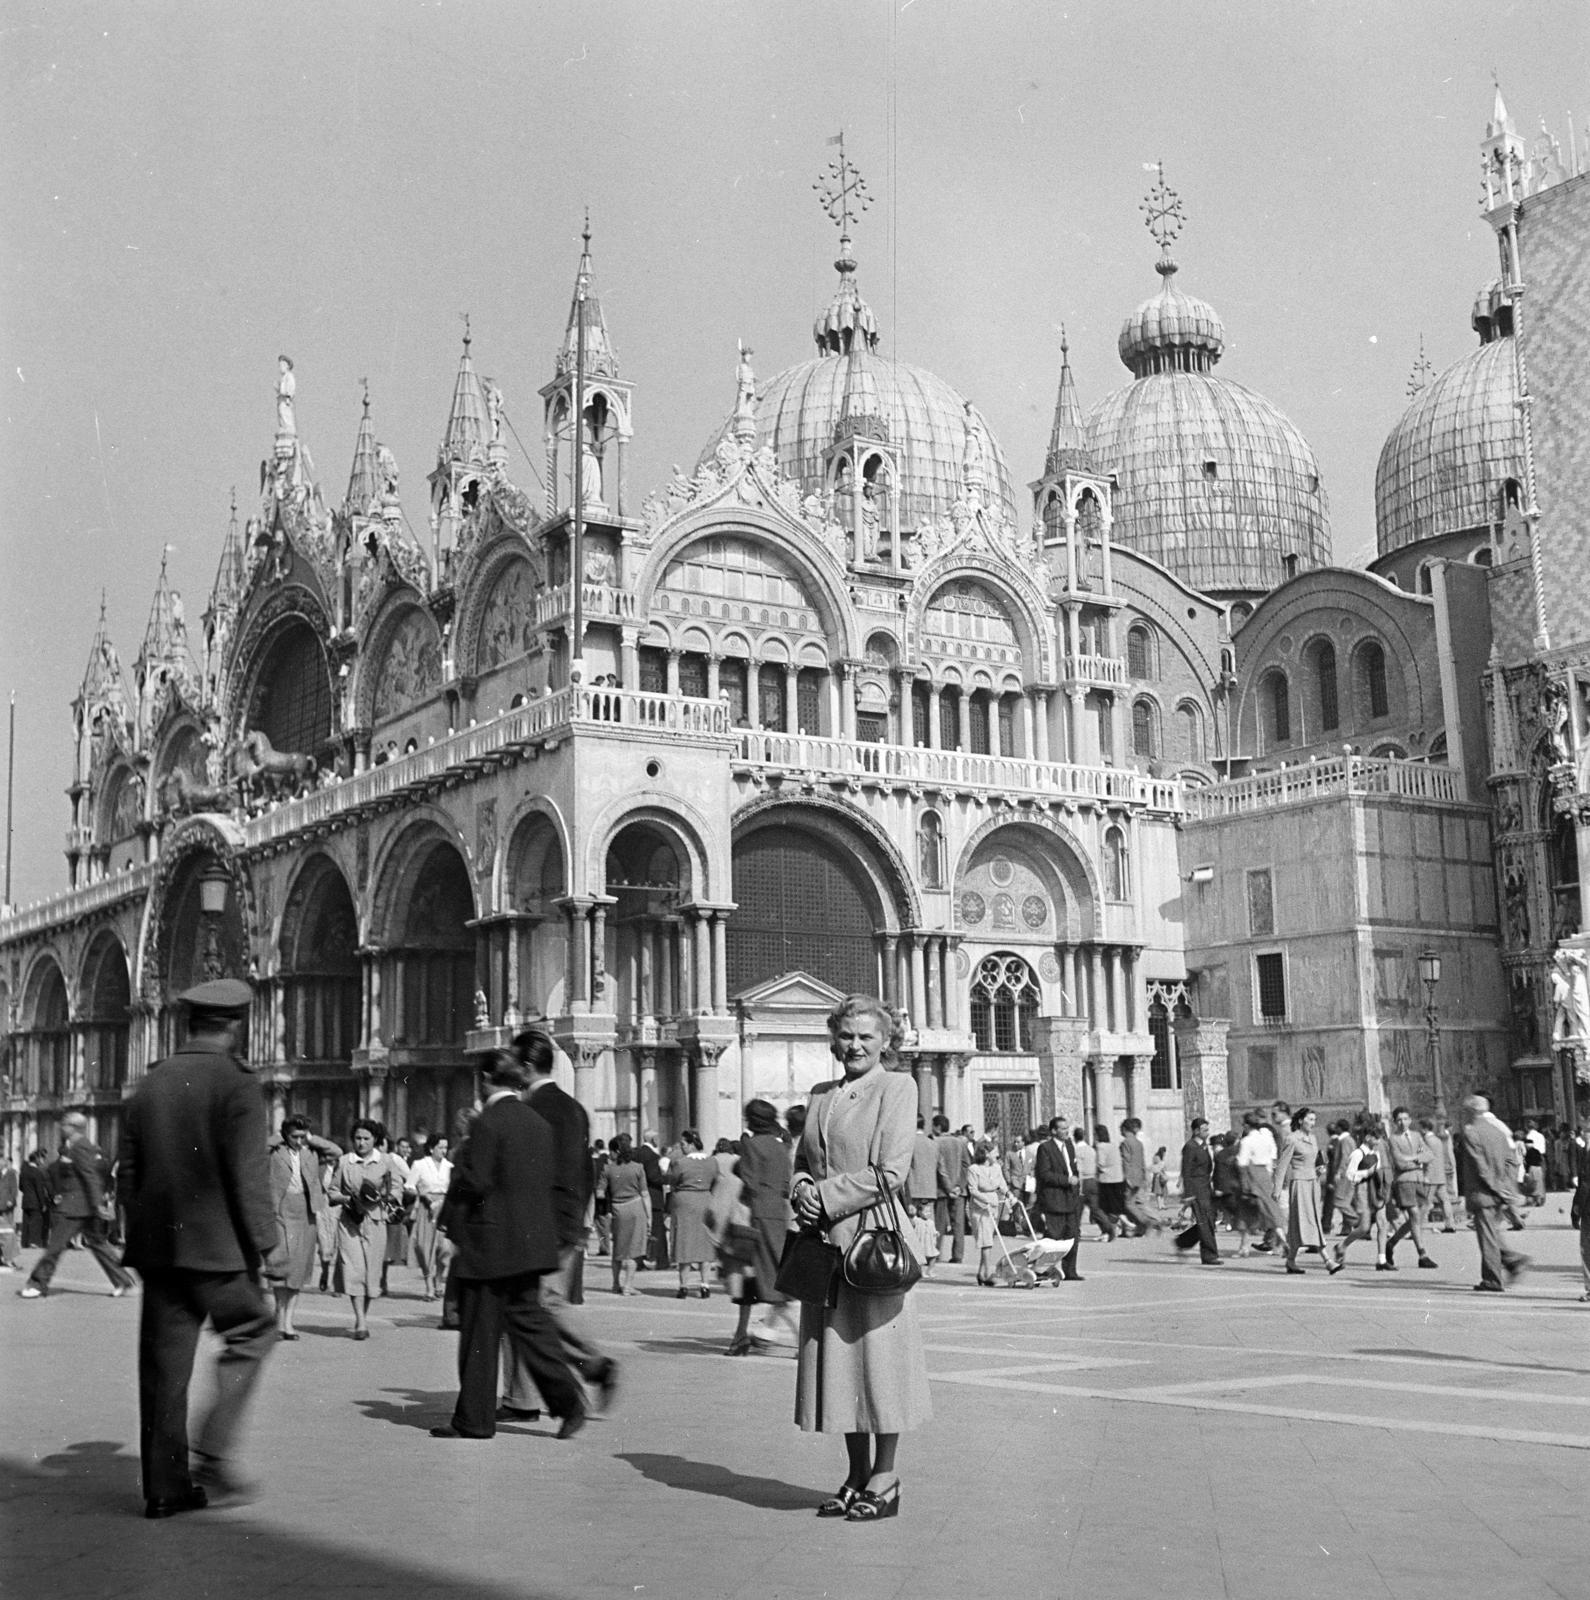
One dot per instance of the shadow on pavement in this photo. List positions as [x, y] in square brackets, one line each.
[1444, 1356]
[75, 1531]
[415, 1408]
[707, 1477]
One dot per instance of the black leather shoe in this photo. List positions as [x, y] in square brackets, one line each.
[507, 1413]
[453, 1433]
[194, 1500]
[607, 1382]
[571, 1424]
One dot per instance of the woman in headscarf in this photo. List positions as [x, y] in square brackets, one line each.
[752, 1243]
[623, 1183]
[690, 1180]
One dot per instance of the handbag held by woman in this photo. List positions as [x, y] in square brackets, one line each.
[880, 1260]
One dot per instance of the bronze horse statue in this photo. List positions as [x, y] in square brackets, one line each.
[179, 791]
[254, 762]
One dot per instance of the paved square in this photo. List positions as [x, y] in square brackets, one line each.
[1160, 1428]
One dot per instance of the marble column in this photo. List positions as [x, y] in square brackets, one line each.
[792, 719]
[703, 963]
[705, 1063]
[1205, 1075]
[935, 727]
[935, 993]
[918, 1004]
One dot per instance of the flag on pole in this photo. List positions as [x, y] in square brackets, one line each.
[838, 138]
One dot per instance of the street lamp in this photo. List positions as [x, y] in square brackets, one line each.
[1430, 976]
[215, 883]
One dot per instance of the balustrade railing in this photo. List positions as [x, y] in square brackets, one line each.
[75, 903]
[1339, 775]
[600, 600]
[1096, 669]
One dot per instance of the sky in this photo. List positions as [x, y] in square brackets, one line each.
[188, 189]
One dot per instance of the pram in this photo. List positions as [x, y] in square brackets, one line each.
[1036, 1258]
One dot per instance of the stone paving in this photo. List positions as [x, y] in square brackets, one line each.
[1160, 1428]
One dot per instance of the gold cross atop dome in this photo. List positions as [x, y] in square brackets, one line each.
[1163, 217]
[842, 193]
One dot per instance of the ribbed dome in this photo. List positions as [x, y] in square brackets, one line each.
[1443, 466]
[1212, 481]
[1165, 325]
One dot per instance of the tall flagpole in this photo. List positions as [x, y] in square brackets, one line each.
[577, 577]
[11, 773]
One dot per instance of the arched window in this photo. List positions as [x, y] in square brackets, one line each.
[291, 703]
[1280, 708]
[950, 719]
[1004, 1008]
[1373, 659]
[1191, 729]
[977, 735]
[1325, 669]
[732, 682]
[1139, 653]
[1426, 581]
[930, 850]
[1117, 866]
[1144, 743]
[770, 697]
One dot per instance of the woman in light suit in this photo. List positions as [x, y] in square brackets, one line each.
[861, 1371]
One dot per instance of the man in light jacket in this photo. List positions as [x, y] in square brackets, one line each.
[1485, 1174]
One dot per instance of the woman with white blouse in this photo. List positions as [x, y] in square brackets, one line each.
[430, 1177]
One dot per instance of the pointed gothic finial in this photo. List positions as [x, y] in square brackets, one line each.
[842, 194]
[1163, 218]
[1419, 378]
[745, 397]
[1067, 441]
[601, 361]
[364, 481]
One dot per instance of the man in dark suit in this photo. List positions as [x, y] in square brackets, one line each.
[35, 1186]
[647, 1155]
[82, 1209]
[572, 1183]
[1485, 1175]
[1198, 1190]
[1060, 1191]
[500, 1218]
[949, 1151]
[192, 1178]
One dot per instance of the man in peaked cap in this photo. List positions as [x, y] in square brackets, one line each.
[194, 1181]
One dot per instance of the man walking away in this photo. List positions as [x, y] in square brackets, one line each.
[1198, 1189]
[193, 1181]
[572, 1183]
[950, 1150]
[82, 1209]
[1485, 1174]
[9, 1189]
[1134, 1175]
[501, 1220]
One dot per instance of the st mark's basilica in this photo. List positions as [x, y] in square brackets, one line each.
[1125, 796]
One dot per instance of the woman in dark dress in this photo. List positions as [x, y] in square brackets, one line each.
[690, 1180]
[755, 1238]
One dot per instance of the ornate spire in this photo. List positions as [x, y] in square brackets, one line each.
[1067, 439]
[467, 432]
[166, 634]
[1419, 378]
[364, 481]
[102, 678]
[227, 590]
[848, 320]
[600, 359]
[1172, 331]
[860, 409]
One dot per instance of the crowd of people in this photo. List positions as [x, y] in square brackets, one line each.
[229, 1226]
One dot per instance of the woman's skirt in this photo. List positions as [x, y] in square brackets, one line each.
[1304, 1230]
[361, 1245]
[297, 1243]
[693, 1239]
[861, 1367]
[431, 1247]
[397, 1242]
[629, 1230]
[985, 1228]
[763, 1241]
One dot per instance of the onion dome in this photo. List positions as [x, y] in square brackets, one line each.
[1212, 481]
[802, 411]
[1444, 467]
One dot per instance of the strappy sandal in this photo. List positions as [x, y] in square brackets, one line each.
[840, 1504]
[874, 1507]
[740, 1346]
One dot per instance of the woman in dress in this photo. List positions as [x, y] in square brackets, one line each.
[755, 1226]
[1111, 1181]
[298, 1198]
[861, 1368]
[430, 1176]
[1361, 1194]
[1297, 1188]
[624, 1187]
[369, 1189]
[689, 1196]
[987, 1194]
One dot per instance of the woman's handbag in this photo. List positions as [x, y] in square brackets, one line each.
[879, 1260]
[808, 1270]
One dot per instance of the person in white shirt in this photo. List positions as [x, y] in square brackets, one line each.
[430, 1177]
[1367, 1180]
[1256, 1153]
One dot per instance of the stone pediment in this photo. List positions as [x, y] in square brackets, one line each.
[791, 991]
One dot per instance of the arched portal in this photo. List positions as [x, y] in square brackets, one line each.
[428, 984]
[47, 1039]
[290, 701]
[104, 1024]
[320, 997]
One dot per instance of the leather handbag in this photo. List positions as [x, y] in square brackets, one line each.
[808, 1270]
[879, 1259]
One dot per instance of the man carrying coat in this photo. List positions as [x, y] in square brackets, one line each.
[1060, 1191]
[571, 1204]
[192, 1178]
[500, 1219]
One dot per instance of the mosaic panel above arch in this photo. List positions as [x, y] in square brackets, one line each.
[411, 666]
[507, 620]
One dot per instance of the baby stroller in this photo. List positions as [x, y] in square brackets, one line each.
[1036, 1258]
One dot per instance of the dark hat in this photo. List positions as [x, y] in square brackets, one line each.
[228, 995]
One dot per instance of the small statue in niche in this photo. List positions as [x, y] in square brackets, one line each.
[1570, 995]
[590, 476]
[482, 1011]
[387, 467]
[494, 408]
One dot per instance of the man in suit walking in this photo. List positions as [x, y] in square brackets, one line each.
[949, 1150]
[571, 1202]
[1134, 1174]
[501, 1220]
[35, 1186]
[1485, 1175]
[1198, 1189]
[1060, 1191]
[192, 1178]
[9, 1189]
[82, 1209]
[646, 1154]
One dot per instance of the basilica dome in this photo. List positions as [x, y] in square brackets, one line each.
[1445, 466]
[849, 386]
[1212, 481]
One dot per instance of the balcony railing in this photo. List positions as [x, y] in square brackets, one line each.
[1096, 669]
[77, 903]
[1340, 775]
[600, 599]
[957, 769]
